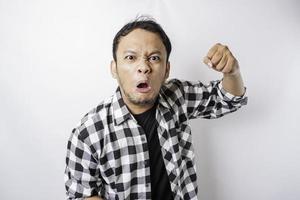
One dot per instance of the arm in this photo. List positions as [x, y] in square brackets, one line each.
[207, 101]
[233, 84]
[218, 97]
[81, 172]
[221, 59]
[94, 198]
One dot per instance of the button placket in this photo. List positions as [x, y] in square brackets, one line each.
[146, 163]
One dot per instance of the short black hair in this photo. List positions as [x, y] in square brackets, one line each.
[146, 23]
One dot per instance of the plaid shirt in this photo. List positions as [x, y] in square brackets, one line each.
[107, 153]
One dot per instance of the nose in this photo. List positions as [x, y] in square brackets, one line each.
[144, 67]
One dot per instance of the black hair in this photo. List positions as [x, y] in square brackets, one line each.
[145, 23]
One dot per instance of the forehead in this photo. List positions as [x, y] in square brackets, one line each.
[141, 40]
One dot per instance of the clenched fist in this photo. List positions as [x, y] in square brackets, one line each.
[221, 59]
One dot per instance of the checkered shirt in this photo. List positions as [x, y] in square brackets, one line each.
[107, 153]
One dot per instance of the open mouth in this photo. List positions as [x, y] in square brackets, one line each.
[142, 85]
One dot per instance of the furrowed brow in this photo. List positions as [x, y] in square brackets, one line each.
[156, 52]
[129, 51]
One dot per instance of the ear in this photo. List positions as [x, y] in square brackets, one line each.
[167, 70]
[113, 69]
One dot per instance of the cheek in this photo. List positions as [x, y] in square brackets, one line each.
[123, 70]
[128, 70]
[159, 80]
[162, 74]
[125, 77]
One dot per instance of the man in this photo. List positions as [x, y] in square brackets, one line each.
[137, 143]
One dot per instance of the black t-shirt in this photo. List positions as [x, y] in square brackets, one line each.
[160, 185]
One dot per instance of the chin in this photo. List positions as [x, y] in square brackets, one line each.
[143, 101]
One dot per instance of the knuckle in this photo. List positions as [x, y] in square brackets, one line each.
[214, 61]
[218, 55]
[225, 49]
[220, 67]
[229, 55]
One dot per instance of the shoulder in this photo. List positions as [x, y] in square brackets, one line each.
[172, 85]
[92, 123]
[172, 93]
[178, 84]
[176, 87]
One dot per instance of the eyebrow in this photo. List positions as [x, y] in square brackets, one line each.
[133, 52]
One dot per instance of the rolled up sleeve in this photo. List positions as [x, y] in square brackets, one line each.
[210, 101]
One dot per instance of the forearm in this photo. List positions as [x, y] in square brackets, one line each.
[93, 198]
[233, 84]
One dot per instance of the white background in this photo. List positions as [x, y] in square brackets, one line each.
[54, 67]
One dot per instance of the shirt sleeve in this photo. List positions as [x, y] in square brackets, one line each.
[210, 101]
[81, 172]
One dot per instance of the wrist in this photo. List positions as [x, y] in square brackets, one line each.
[234, 74]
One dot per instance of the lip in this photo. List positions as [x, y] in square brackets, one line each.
[143, 90]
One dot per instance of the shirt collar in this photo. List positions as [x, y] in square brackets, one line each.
[120, 110]
[163, 97]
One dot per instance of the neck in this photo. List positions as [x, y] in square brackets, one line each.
[138, 109]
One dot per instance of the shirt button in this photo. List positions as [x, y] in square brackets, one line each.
[147, 185]
[143, 139]
[146, 163]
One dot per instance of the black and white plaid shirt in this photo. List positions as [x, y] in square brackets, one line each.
[107, 153]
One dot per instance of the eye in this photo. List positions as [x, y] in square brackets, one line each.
[154, 58]
[129, 57]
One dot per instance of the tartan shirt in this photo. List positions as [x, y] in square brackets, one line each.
[107, 153]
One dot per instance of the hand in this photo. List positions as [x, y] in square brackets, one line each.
[221, 59]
